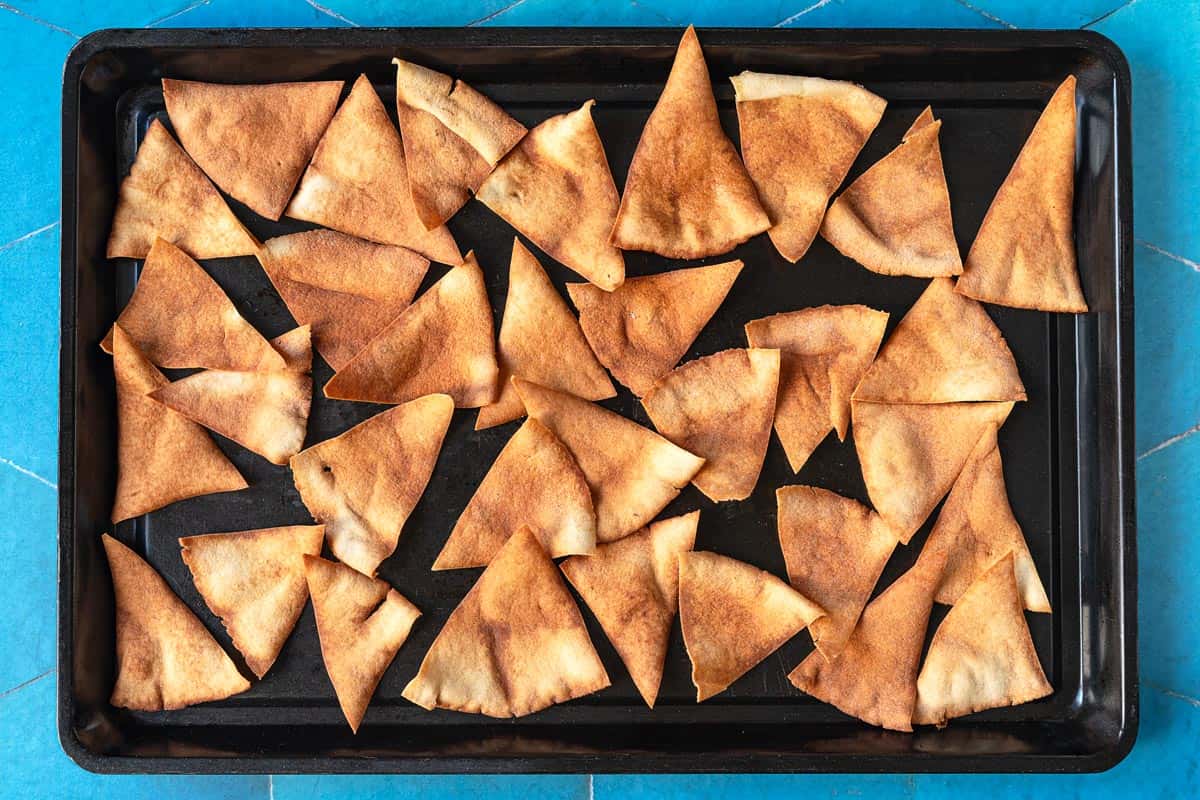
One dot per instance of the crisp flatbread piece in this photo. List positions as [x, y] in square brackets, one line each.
[296, 348]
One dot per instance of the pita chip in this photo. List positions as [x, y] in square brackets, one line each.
[254, 581]
[642, 328]
[362, 622]
[363, 484]
[982, 655]
[252, 140]
[357, 181]
[824, 352]
[541, 341]
[534, 482]
[835, 549]
[733, 616]
[295, 347]
[632, 586]
[166, 196]
[632, 471]
[874, 677]
[555, 187]
[1024, 253]
[162, 456]
[945, 350]
[443, 343]
[911, 454]
[266, 412]
[720, 407]
[516, 644]
[166, 658]
[687, 194]
[800, 136]
[347, 289]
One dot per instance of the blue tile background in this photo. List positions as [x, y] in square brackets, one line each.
[1162, 41]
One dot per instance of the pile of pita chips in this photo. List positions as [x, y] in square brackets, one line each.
[720, 407]
[166, 658]
[895, 218]
[687, 194]
[824, 352]
[800, 136]
[254, 581]
[633, 472]
[1024, 253]
[641, 329]
[541, 341]
[363, 484]
[362, 622]
[516, 643]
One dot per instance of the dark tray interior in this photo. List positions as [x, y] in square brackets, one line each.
[1066, 450]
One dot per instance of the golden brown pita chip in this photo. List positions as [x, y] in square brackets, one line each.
[254, 581]
[441, 343]
[516, 643]
[362, 622]
[923, 119]
[555, 187]
[162, 456]
[800, 137]
[687, 194]
[824, 352]
[347, 288]
[945, 350]
[535, 483]
[720, 407]
[733, 616]
[252, 140]
[541, 341]
[835, 549]
[632, 586]
[357, 182]
[642, 328]
[1024, 253]
[166, 196]
[911, 454]
[166, 658]
[632, 471]
[295, 347]
[364, 483]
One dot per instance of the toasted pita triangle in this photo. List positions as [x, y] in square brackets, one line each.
[534, 482]
[800, 136]
[555, 187]
[254, 581]
[835, 549]
[516, 643]
[633, 472]
[166, 658]
[824, 352]
[982, 655]
[362, 622]
[1024, 253]
[266, 412]
[295, 347]
[254, 140]
[364, 483]
[441, 343]
[642, 328]
[874, 677]
[347, 288]
[358, 182]
[733, 616]
[911, 454]
[541, 341]
[945, 350]
[632, 586]
[923, 119]
[687, 194]
[720, 407]
[166, 196]
[162, 456]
